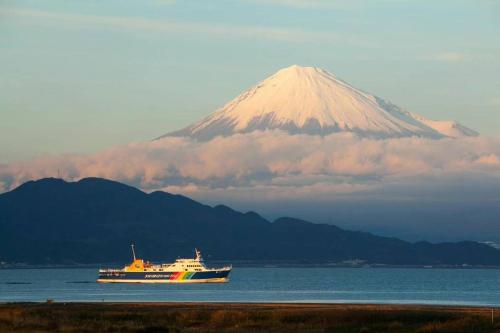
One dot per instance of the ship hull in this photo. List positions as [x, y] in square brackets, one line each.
[164, 277]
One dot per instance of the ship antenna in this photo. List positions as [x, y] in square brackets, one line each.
[133, 251]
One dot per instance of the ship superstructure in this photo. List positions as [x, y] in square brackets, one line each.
[181, 271]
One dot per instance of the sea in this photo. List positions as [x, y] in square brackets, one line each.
[476, 287]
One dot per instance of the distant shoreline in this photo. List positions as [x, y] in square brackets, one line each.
[237, 264]
[246, 317]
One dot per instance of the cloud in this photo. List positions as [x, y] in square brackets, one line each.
[458, 57]
[494, 101]
[450, 57]
[271, 164]
[309, 4]
[343, 5]
[164, 25]
[164, 2]
[189, 28]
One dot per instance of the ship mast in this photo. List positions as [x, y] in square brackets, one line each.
[133, 251]
[198, 255]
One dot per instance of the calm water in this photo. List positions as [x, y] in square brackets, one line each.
[335, 285]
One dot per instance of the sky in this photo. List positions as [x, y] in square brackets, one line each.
[82, 76]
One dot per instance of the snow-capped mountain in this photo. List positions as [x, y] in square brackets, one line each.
[312, 101]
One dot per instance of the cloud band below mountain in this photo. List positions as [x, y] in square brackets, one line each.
[283, 165]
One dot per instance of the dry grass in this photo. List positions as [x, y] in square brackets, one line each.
[203, 317]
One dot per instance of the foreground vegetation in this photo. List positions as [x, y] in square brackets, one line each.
[206, 317]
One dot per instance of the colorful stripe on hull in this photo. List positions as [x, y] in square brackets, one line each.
[221, 280]
[164, 277]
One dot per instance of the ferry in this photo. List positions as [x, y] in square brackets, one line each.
[181, 271]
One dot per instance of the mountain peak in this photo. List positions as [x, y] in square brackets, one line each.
[299, 70]
[310, 100]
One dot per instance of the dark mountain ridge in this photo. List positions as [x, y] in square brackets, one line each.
[51, 221]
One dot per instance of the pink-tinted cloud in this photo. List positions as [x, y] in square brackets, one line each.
[270, 163]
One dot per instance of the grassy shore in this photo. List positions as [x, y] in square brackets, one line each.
[235, 317]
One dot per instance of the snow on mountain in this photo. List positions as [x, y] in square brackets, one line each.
[448, 128]
[312, 101]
